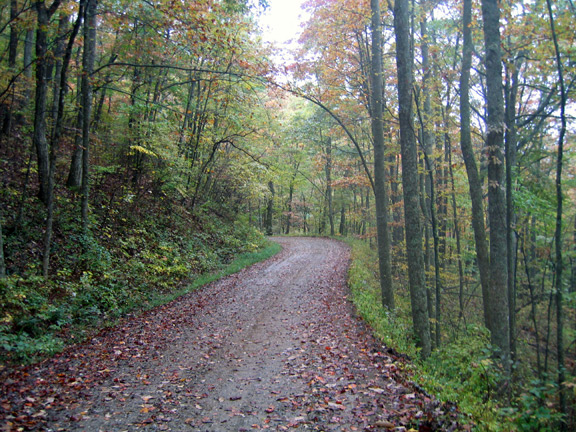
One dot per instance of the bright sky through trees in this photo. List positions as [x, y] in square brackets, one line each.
[281, 22]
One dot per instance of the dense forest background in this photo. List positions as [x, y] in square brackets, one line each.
[144, 143]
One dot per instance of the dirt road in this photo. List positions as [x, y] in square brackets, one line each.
[275, 346]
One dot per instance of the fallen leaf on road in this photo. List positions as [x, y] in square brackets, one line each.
[384, 424]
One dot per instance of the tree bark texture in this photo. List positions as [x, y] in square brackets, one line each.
[270, 209]
[88, 59]
[39, 136]
[2, 260]
[410, 182]
[497, 300]
[561, 377]
[329, 191]
[380, 188]
[511, 143]
[27, 62]
[428, 144]
[14, 30]
[474, 181]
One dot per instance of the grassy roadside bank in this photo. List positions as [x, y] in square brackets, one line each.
[41, 317]
[461, 371]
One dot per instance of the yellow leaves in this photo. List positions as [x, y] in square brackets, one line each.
[139, 149]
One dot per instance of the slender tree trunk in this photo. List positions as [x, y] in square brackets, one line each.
[329, 192]
[511, 143]
[428, 143]
[397, 230]
[558, 233]
[39, 138]
[304, 214]
[60, 89]
[573, 261]
[425, 209]
[75, 172]
[27, 62]
[456, 230]
[412, 214]
[289, 208]
[474, 181]
[270, 209]
[380, 187]
[436, 243]
[497, 301]
[291, 197]
[14, 31]
[2, 260]
[12, 55]
[88, 59]
[533, 313]
[64, 55]
[39, 135]
[59, 52]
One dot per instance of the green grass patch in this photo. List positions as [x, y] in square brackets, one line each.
[393, 328]
[238, 263]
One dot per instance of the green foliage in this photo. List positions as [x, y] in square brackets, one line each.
[103, 276]
[28, 319]
[28, 348]
[462, 371]
[533, 412]
[392, 327]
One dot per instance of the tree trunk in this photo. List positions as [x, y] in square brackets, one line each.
[380, 188]
[59, 58]
[329, 193]
[342, 227]
[289, 208]
[14, 30]
[430, 169]
[572, 286]
[39, 135]
[413, 228]
[474, 181]
[559, 265]
[511, 142]
[88, 59]
[27, 64]
[12, 55]
[397, 230]
[497, 300]
[270, 209]
[2, 260]
[75, 172]
[456, 229]
[63, 57]
[304, 215]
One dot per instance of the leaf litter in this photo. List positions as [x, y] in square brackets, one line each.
[276, 346]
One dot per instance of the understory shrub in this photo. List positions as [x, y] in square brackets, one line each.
[100, 277]
[462, 370]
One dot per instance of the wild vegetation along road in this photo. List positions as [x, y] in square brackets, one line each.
[275, 346]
